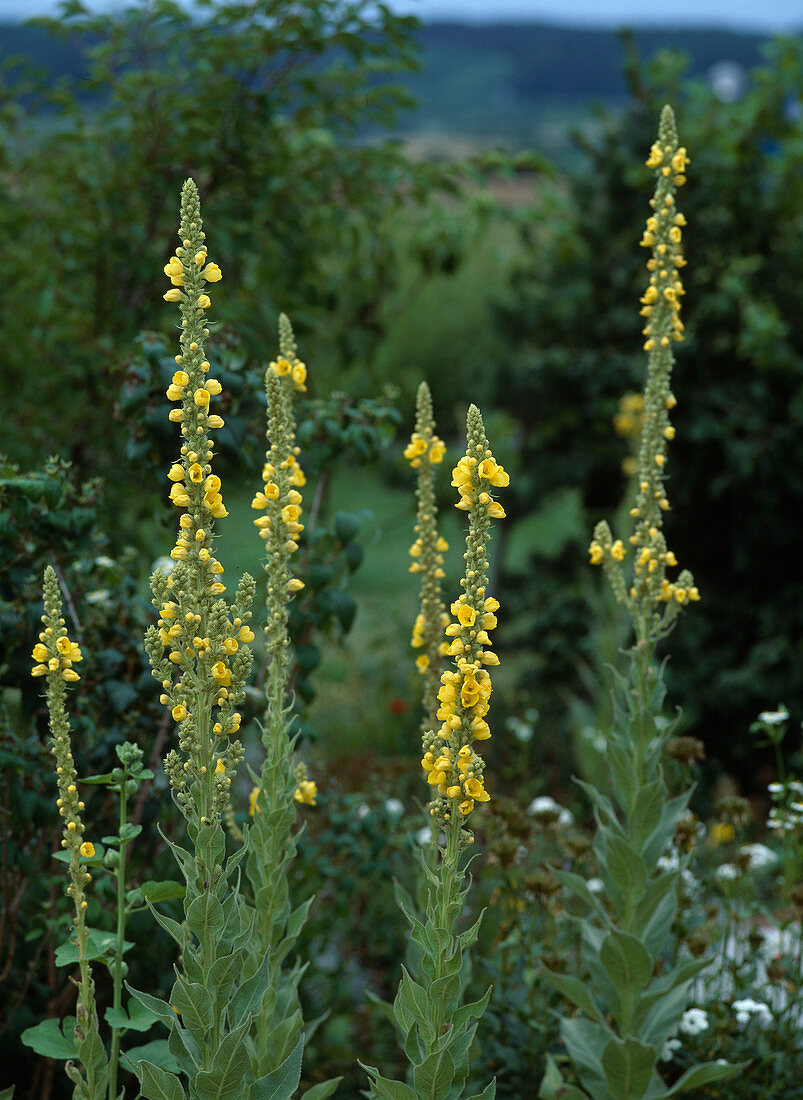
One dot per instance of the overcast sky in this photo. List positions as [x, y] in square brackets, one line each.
[770, 15]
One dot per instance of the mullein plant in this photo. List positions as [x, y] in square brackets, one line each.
[199, 652]
[436, 1027]
[278, 1029]
[637, 993]
[56, 655]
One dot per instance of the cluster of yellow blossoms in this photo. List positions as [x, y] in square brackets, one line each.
[56, 653]
[290, 366]
[650, 587]
[453, 767]
[424, 446]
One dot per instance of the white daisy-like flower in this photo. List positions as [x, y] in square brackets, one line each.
[694, 1021]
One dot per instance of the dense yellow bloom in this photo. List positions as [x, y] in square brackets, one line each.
[451, 764]
[87, 849]
[306, 792]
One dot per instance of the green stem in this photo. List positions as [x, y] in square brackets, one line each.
[118, 965]
[449, 887]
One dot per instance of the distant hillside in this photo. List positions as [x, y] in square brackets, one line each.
[509, 82]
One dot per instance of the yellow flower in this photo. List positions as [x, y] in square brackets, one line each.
[212, 273]
[204, 301]
[306, 792]
[174, 295]
[722, 833]
[252, 802]
[87, 849]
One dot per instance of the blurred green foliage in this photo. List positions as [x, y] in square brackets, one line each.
[735, 465]
[260, 104]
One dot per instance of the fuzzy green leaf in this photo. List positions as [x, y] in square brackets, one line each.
[625, 868]
[158, 1084]
[488, 1093]
[205, 916]
[230, 1068]
[320, 1091]
[136, 1018]
[385, 1089]
[282, 1082]
[155, 1052]
[552, 1086]
[628, 1066]
[100, 945]
[48, 1039]
[161, 1009]
[704, 1075]
[573, 990]
[248, 998]
[7, 1094]
[162, 891]
[627, 963]
[194, 1004]
[433, 1078]
[585, 1042]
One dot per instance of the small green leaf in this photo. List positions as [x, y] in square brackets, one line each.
[162, 891]
[488, 1093]
[573, 990]
[48, 1039]
[100, 945]
[159, 1084]
[156, 1052]
[8, 1094]
[317, 1092]
[137, 1018]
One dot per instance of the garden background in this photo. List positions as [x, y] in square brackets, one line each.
[485, 240]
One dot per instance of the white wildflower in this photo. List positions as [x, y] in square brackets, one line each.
[773, 717]
[694, 1021]
[669, 1048]
[394, 807]
[748, 1010]
[759, 856]
[595, 885]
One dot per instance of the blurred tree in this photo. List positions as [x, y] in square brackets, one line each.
[262, 103]
[736, 465]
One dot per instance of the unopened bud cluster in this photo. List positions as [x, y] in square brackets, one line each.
[424, 452]
[453, 767]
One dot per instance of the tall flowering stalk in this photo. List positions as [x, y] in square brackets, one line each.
[637, 994]
[435, 1026]
[278, 1029]
[199, 652]
[56, 655]
[425, 452]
